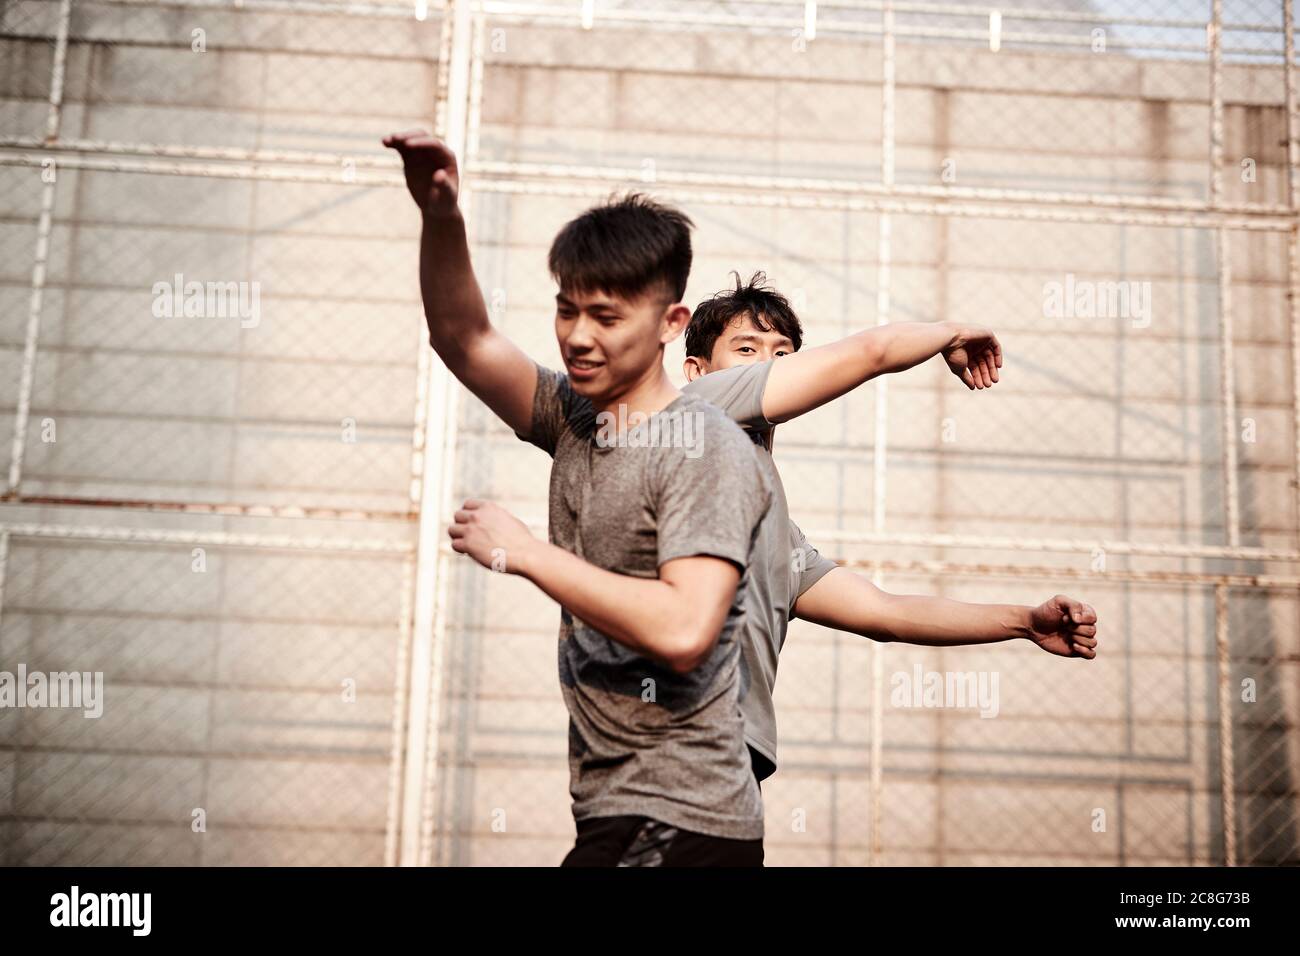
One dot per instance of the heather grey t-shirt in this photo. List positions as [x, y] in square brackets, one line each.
[644, 740]
[786, 565]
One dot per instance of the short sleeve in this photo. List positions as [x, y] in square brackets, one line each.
[709, 500]
[738, 391]
[554, 405]
[807, 564]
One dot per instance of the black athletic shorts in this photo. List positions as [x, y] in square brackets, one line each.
[762, 767]
[640, 841]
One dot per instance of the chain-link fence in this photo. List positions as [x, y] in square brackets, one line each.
[211, 347]
[1110, 186]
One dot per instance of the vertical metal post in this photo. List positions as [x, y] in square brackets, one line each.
[1227, 773]
[1227, 374]
[53, 121]
[1293, 240]
[4, 570]
[401, 681]
[466, 119]
[881, 438]
[440, 415]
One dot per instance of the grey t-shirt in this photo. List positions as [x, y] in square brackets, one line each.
[786, 567]
[644, 740]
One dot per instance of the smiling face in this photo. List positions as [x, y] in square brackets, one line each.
[611, 344]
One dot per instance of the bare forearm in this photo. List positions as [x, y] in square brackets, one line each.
[806, 380]
[899, 346]
[643, 614]
[938, 621]
[453, 302]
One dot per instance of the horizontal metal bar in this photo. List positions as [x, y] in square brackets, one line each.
[288, 157]
[538, 528]
[799, 184]
[1196, 578]
[553, 171]
[1065, 545]
[228, 508]
[16, 530]
[225, 539]
[954, 208]
[1062, 545]
[401, 11]
[209, 170]
[967, 208]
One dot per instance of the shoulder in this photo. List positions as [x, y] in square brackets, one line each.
[724, 380]
[738, 391]
[712, 422]
[556, 391]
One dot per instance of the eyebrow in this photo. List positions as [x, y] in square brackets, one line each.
[598, 306]
[752, 337]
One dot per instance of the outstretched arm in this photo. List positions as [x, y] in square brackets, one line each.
[674, 619]
[850, 602]
[804, 380]
[484, 360]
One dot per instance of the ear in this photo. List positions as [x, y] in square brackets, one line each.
[675, 321]
[694, 367]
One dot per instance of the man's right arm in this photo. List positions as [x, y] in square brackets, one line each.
[479, 355]
[674, 619]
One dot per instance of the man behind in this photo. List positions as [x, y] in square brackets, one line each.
[743, 354]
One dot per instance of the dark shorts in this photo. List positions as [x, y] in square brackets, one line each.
[640, 841]
[762, 767]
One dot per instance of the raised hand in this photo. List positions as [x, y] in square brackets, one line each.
[975, 357]
[432, 175]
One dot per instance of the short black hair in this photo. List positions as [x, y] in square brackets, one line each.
[767, 308]
[626, 247]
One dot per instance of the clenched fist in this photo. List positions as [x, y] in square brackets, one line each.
[1065, 627]
[491, 536]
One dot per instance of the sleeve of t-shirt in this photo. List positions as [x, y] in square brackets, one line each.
[710, 502]
[809, 564]
[738, 391]
[553, 403]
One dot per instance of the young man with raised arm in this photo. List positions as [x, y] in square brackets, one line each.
[651, 527]
[742, 354]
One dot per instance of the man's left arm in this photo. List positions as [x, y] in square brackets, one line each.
[847, 601]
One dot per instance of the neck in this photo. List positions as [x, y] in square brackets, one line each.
[648, 394]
